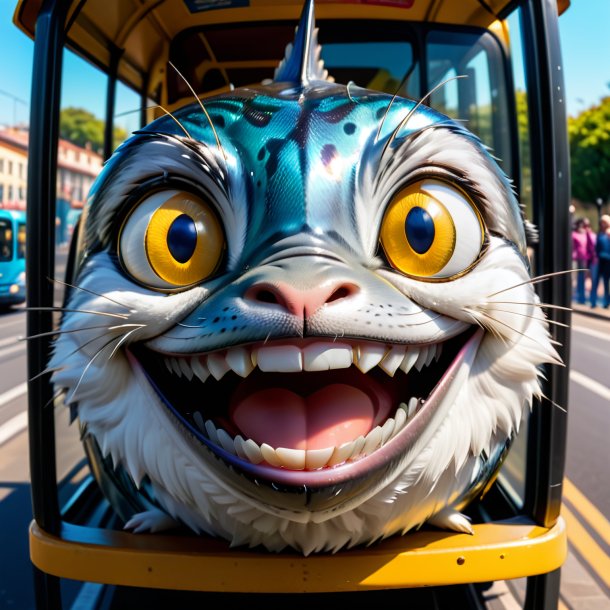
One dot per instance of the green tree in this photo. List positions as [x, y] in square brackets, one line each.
[81, 127]
[589, 134]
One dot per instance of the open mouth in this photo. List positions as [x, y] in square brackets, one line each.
[311, 412]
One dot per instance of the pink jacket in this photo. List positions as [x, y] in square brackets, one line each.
[583, 247]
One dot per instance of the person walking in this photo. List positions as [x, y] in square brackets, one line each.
[602, 271]
[580, 258]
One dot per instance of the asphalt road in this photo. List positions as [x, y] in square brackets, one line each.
[585, 578]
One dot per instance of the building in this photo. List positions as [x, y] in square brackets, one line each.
[77, 169]
[13, 169]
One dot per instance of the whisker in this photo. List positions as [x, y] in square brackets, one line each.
[53, 398]
[188, 135]
[400, 86]
[89, 291]
[543, 305]
[73, 330]
[91, 361]
[349, 95]
[417, 106]
[65, 309]
[124, 338]
[483, 313]
[524, 315]
[534, 280]
[207, 116]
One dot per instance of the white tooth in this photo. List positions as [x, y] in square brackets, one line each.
[358, 446]
[431, 354]
[439, 350]
[199, 420]
[412, 407]
[176, 367]
[186, 369]
[238, 443]
[369, 356]
[421, 359]
[210, 428]
[410, 358]
[280, 359]
[387, 430]
[226, 441]
[327, 356]
[393, 359]
[316, 458]
[168, 364]
[238, 358]
[253, 451]
[291, 458]
[269, 455]
[342, 453]
[400, 416]
[199, 368]
[373, 438]
[218, 366]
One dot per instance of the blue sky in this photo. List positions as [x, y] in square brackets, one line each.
[583, 29]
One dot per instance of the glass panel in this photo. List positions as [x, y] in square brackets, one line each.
[83, 107]
[6, 240]
[513, 473]
[127, 113]
[469, 67]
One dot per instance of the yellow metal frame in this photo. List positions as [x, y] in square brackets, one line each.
[496, 551]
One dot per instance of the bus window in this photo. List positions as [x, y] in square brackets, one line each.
[6, 240]
[21, 240]
[471, 66]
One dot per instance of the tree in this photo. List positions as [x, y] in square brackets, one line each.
[81, 127]
[589, 134]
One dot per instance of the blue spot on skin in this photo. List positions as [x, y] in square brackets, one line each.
[419, 229]
[349, 128]
[182, 238]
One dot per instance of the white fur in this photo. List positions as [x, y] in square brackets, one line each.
[122, 411]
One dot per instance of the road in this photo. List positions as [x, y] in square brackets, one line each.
[585, 578]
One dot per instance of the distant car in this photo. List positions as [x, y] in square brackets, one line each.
[12, 257]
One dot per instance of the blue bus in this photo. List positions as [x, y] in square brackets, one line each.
[12, 257]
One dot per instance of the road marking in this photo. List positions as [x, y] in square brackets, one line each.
[592, 333]
[16, 424]
[13, 393]
[590, 513]
[7, 351]
[13, 426]
[594, 386]
[583, 542]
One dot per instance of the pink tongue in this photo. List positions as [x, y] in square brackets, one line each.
[327, 418]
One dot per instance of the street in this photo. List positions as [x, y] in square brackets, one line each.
[585, 577]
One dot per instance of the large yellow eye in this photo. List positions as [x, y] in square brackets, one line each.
[432, 231]
[172, 239]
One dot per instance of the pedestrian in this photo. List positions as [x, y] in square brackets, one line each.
[591, 253]
[602, 248]
[580, 258]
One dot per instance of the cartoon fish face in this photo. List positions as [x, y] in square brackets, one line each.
[303, 315]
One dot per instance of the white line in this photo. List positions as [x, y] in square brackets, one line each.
[13, 426]
[592, 333]
[20, 347]
[9, 341]
[13, 393]
[594, 386]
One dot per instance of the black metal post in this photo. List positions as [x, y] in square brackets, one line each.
[550, 166]
[115, 56]
[40, 256]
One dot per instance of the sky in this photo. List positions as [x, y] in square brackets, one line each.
[583, 30]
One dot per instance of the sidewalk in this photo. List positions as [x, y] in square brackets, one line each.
[598, 312]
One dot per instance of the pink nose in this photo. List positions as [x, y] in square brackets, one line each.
[302, 303]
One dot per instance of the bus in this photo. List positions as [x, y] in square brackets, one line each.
[174, 51]
[12, 258]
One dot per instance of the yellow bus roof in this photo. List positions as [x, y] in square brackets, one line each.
[141, 30]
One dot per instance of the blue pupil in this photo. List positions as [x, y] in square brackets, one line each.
[182, 238]
[419, 229]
